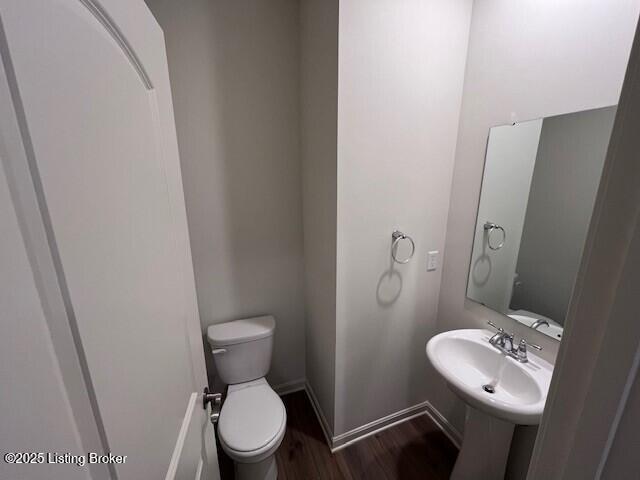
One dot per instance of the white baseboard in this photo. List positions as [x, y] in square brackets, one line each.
[449, 430]
[349, 438]
[290, 387]
[338, 442]
[326, 428]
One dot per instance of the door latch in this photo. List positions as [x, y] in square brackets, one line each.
[215, 399]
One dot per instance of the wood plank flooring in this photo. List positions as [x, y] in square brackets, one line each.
[415, 449]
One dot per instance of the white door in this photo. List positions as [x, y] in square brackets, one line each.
[89, 149]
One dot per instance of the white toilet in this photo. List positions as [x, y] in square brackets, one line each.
[253, 418]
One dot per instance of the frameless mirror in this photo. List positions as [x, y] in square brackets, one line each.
[538, 192]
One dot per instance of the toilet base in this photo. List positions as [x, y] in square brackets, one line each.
[266, 469]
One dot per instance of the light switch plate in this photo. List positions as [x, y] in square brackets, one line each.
[432, 260]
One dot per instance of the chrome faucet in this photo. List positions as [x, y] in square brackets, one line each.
[503, 341]
[539, 322]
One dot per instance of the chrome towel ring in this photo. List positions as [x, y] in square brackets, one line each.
[397, 236]
[491, 227]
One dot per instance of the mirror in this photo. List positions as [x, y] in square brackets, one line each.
[538, 191]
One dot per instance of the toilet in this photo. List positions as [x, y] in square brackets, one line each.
[252, 421]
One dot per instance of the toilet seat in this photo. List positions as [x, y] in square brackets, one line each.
[252, 421]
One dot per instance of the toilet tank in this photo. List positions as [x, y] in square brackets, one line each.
[242, 348]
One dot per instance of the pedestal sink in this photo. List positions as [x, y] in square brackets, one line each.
[499, 391]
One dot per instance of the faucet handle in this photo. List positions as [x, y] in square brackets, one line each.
[499, 329]
[498, 338]
[521, 353]
[524, 343]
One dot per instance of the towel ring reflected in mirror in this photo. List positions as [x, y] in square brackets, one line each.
[397, 237]
[490, 228]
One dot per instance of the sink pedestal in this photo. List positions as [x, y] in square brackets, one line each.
[500, 392]
[485, 447]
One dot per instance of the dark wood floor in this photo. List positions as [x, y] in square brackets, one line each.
[415, 449]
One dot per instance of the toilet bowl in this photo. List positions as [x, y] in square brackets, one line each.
[253, 419]
[251, 428]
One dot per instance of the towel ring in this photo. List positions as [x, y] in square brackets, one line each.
[491, 227]
[397, 236]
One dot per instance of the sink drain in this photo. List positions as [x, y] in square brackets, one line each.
[489, 388]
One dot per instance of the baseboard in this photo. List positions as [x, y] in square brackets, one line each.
[338, 442]
[290, 387]
[326, 428]
[447, 428]
[348, 438]
[425, 408]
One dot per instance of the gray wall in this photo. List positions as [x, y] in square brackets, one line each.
[235, 68]
[627, 438]
[594, 410]
[234, 76]
[563, 190]
[624, 436]
[399, 94]
[318, 122]
[526, 60]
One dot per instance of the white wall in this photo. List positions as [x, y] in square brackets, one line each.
[234, 76]
[318, 129]
[508, 168]
[401, 67]
[234, 67]
[530, 59]
[563, 191]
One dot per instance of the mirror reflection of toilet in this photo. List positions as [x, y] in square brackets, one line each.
[253, 418]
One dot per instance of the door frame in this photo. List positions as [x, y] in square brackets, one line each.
[599, 355]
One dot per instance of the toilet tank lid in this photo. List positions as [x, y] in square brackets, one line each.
[240, 331]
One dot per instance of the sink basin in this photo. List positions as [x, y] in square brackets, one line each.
[499, 391]
[489, 380]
